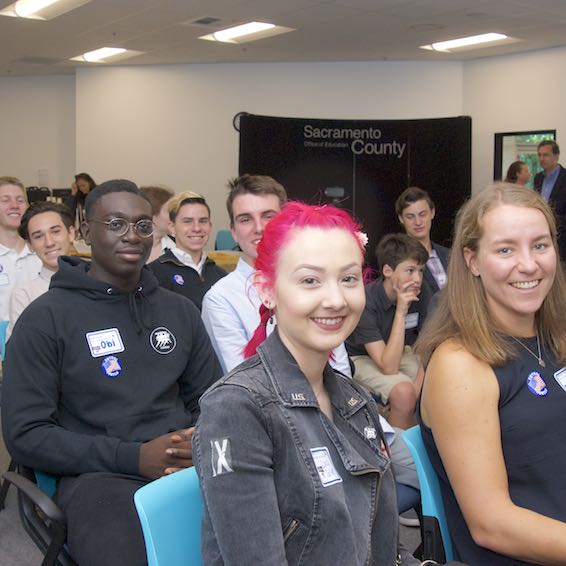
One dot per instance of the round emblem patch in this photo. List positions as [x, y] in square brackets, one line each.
[162, 340]
[536, 384]
[111, 366]
[178, 279]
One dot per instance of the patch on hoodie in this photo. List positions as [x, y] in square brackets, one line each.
[104, 342]
[111, 366]
[178, 278]
[162, 340]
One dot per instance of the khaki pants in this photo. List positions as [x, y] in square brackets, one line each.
[371, 377]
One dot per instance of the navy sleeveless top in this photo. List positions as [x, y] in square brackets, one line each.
[532, 415]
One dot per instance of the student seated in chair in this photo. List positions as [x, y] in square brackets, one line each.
[380, 345]
[159, 198]
[102, 379]
[493, 405]
[230, 309]
[416, 211]
[289, 452]
[18, 264]
[185, 268]
[48, 229]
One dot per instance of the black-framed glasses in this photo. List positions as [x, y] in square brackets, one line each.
[120, 226]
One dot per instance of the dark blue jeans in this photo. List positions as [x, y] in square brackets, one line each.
[407, 497]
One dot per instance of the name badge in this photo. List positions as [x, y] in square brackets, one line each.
[324, 466]
[4, 279]
[411, 320]
[104, 342]
[560, 377]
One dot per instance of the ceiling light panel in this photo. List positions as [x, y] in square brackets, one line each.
[244, 33]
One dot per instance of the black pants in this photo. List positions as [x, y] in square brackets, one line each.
[102, 522]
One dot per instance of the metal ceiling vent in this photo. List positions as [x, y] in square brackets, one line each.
[205, 22]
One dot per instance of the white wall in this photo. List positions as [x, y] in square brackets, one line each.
[37, 117]
[513, 93]
[173, 124]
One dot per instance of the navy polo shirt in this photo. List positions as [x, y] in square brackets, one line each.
[377, 319]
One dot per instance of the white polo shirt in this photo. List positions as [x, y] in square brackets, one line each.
[16, 270]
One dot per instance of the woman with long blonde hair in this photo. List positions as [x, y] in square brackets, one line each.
[493, 405]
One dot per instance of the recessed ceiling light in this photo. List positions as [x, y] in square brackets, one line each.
[470, 42]
[246, 32]
[41, 9]
[106, 54]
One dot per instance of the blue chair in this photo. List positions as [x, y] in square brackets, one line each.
[225, 241]
[3, 328]
[170, 511]
[436, 541]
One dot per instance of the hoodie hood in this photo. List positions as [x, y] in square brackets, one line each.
[73, 275]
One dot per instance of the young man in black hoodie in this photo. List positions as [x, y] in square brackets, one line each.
[102, 379]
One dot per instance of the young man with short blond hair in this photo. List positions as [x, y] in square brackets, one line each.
[18, 264]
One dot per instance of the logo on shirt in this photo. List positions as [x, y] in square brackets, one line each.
[221, 457]
[177, 278]
[111, 366]
[536, 384]
[162, 340]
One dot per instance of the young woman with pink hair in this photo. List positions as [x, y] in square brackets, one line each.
[288, 451]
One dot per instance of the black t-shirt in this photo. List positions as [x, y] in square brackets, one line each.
[377, 319]
[532, 415]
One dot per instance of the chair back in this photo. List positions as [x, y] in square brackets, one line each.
[37, 194]
[3, 328]
[225, 241]
[46, 482]
[170, 511]
[432, 505]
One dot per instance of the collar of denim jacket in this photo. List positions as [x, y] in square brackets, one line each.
[293, 388]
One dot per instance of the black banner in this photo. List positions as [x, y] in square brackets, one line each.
[363, 165]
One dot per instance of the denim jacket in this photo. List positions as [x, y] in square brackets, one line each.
[281, 482]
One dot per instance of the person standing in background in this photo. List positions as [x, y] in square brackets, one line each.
[518, 173]
[551, 184]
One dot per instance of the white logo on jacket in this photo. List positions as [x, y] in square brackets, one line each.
[162, 340]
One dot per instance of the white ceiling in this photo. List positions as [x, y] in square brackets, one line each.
[326, 30]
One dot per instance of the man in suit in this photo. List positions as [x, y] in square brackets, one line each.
[551, 184]
[416, 211]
